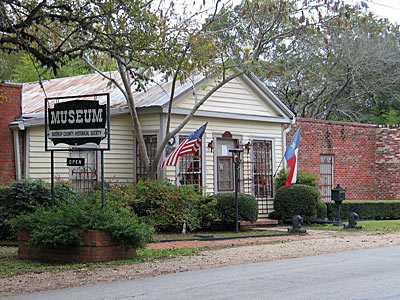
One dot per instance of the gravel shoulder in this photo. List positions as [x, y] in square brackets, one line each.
[237, 254]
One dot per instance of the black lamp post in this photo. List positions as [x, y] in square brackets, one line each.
[338, 195]
[236, 161]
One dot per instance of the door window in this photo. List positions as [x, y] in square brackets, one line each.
[225, 173]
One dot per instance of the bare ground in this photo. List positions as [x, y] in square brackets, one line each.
[268, 250]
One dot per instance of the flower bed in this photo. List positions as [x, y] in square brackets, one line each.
[97, 246]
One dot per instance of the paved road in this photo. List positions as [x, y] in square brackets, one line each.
[372, 274]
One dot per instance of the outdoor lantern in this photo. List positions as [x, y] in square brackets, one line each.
[236, 161]
[338, 194]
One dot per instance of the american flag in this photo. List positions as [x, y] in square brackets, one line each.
[189, 145]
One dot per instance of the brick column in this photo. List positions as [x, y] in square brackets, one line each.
[10, 107]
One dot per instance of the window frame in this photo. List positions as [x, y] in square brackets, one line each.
[325, 188]
[268, 173]
[138, 159]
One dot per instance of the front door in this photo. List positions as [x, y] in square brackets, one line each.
[224, 165]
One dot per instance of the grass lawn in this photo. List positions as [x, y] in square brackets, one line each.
[10, 265]
[380, 225]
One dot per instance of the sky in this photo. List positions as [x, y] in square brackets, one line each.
[384, 8]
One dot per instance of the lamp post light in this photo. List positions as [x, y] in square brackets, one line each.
[236, 161]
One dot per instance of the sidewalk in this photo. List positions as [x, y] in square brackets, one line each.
[311, 234]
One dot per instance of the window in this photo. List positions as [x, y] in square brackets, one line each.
[190, 170]
[326, 176]
[151, 147]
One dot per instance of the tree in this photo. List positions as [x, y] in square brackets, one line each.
[8, 64]
[142, 39]
[346, 75]
[21, 68]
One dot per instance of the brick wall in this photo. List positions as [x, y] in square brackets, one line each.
[353, 146]
[388, 162]
[96, 246]
[10, 107]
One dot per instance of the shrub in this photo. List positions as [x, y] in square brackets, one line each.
[164, 205]
[24, 196]
[58, 225]
[305, 178]
[296, 199]
[378, 210]
[208, 211]
[248, 208]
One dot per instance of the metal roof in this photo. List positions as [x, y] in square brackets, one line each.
[157, 94]
[157, 91]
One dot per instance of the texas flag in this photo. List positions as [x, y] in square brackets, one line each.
[291, 156]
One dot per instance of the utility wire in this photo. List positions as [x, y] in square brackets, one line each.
[380, 4]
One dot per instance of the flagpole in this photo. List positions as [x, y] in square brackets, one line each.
[297, 132]
[276, 171]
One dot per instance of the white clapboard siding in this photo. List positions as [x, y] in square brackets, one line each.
[150, 122]
[235, 97]
[118, 163]
[40, 161]
[244, 130]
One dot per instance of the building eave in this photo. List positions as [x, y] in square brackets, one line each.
[212, 114]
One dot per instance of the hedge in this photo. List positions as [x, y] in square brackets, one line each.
[367, 209]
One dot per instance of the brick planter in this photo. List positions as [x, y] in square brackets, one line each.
[97, 246]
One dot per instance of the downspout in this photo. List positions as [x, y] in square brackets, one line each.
[16, 127]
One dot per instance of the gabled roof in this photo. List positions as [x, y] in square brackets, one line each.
[157, 92]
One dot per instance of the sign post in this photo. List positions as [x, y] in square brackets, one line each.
[77, 121]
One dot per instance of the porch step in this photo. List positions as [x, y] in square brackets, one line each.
[258, 224]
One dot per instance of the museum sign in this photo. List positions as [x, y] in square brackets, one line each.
[77, 122]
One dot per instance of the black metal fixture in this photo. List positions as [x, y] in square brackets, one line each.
[236, 160]
[338, 194]
[353, 217]
[211, 145]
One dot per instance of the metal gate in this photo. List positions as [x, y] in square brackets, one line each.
[83, 179]
[257, 174]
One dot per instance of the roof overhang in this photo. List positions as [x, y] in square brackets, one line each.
[37, 119]
[213, 114]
